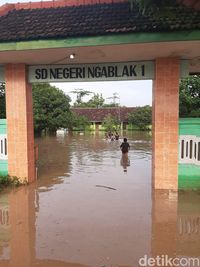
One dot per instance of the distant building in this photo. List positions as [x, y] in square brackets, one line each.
[97, 115]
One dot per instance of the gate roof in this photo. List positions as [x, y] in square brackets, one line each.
[25, 23]
[96, 31]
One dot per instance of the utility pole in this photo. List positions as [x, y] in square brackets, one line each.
[114, 98]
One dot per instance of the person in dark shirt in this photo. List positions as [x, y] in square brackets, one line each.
[116, 136]
[125, 160]
[125, 147]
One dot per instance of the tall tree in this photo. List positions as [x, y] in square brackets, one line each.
[51, 108]
[110, 123]
[96, 101]
[189, 97]
[141, 117]
[2, 101]
[80, 93]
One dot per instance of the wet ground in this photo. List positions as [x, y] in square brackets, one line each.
[89, 208]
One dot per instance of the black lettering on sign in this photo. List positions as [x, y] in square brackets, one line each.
[116, 72]
[52, 73]
[91, 72]
[98, 72]
[104, 72]
[143, 70]
[44, 74]
[37, 74]
[83, 72]
[132, 70]
[79, 73]
[59, 73]
[111, 71]
[125, 71]
[66, 73]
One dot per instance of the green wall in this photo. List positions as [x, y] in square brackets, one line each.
[3, 163]
[3, 128]
[189, 174]
[189, 126]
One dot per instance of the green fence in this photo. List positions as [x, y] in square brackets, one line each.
[3, 148]
[189, 153]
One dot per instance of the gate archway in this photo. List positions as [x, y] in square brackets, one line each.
[103, 32]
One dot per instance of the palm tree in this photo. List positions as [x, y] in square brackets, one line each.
[80, 94]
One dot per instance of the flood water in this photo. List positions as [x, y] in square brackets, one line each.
[88, 208]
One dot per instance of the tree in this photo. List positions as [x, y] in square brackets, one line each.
[162, 7]
[80, 93]
[96, 101]
[80, 122]
[51, 108]
[2, 101]
[189, 97]
[141, 117]
[110, 124]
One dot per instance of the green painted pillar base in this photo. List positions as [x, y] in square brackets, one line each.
[3, 167]
[189, 176]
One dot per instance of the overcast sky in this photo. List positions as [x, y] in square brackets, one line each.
[131, 93]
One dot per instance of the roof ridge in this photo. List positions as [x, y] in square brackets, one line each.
[4, 9]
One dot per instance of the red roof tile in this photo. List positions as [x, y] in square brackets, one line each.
[88, 20]
[99, 114]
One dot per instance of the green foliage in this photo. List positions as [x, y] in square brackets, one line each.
[153, 5]
[96, 101]
[110, 124]
[141, 117]
[157, 8]
[79, 122]
[80, 93]
[9, 180]
[189, 97]
[111, 105]
[51, 108]
[2, 101]
[5, 180]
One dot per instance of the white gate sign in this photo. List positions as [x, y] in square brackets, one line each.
[139, 70]
[92, 72]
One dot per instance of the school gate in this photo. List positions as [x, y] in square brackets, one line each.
[110, 41]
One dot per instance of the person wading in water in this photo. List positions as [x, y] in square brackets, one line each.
[125, 148]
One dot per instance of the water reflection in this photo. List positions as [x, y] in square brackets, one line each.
[83, 211]
[125, 162]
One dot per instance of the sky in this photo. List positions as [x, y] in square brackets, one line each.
[130, 93]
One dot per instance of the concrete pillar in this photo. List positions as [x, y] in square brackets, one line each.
[19, 112]
[165, 123]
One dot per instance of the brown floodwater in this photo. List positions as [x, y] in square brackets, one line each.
[89, 207]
